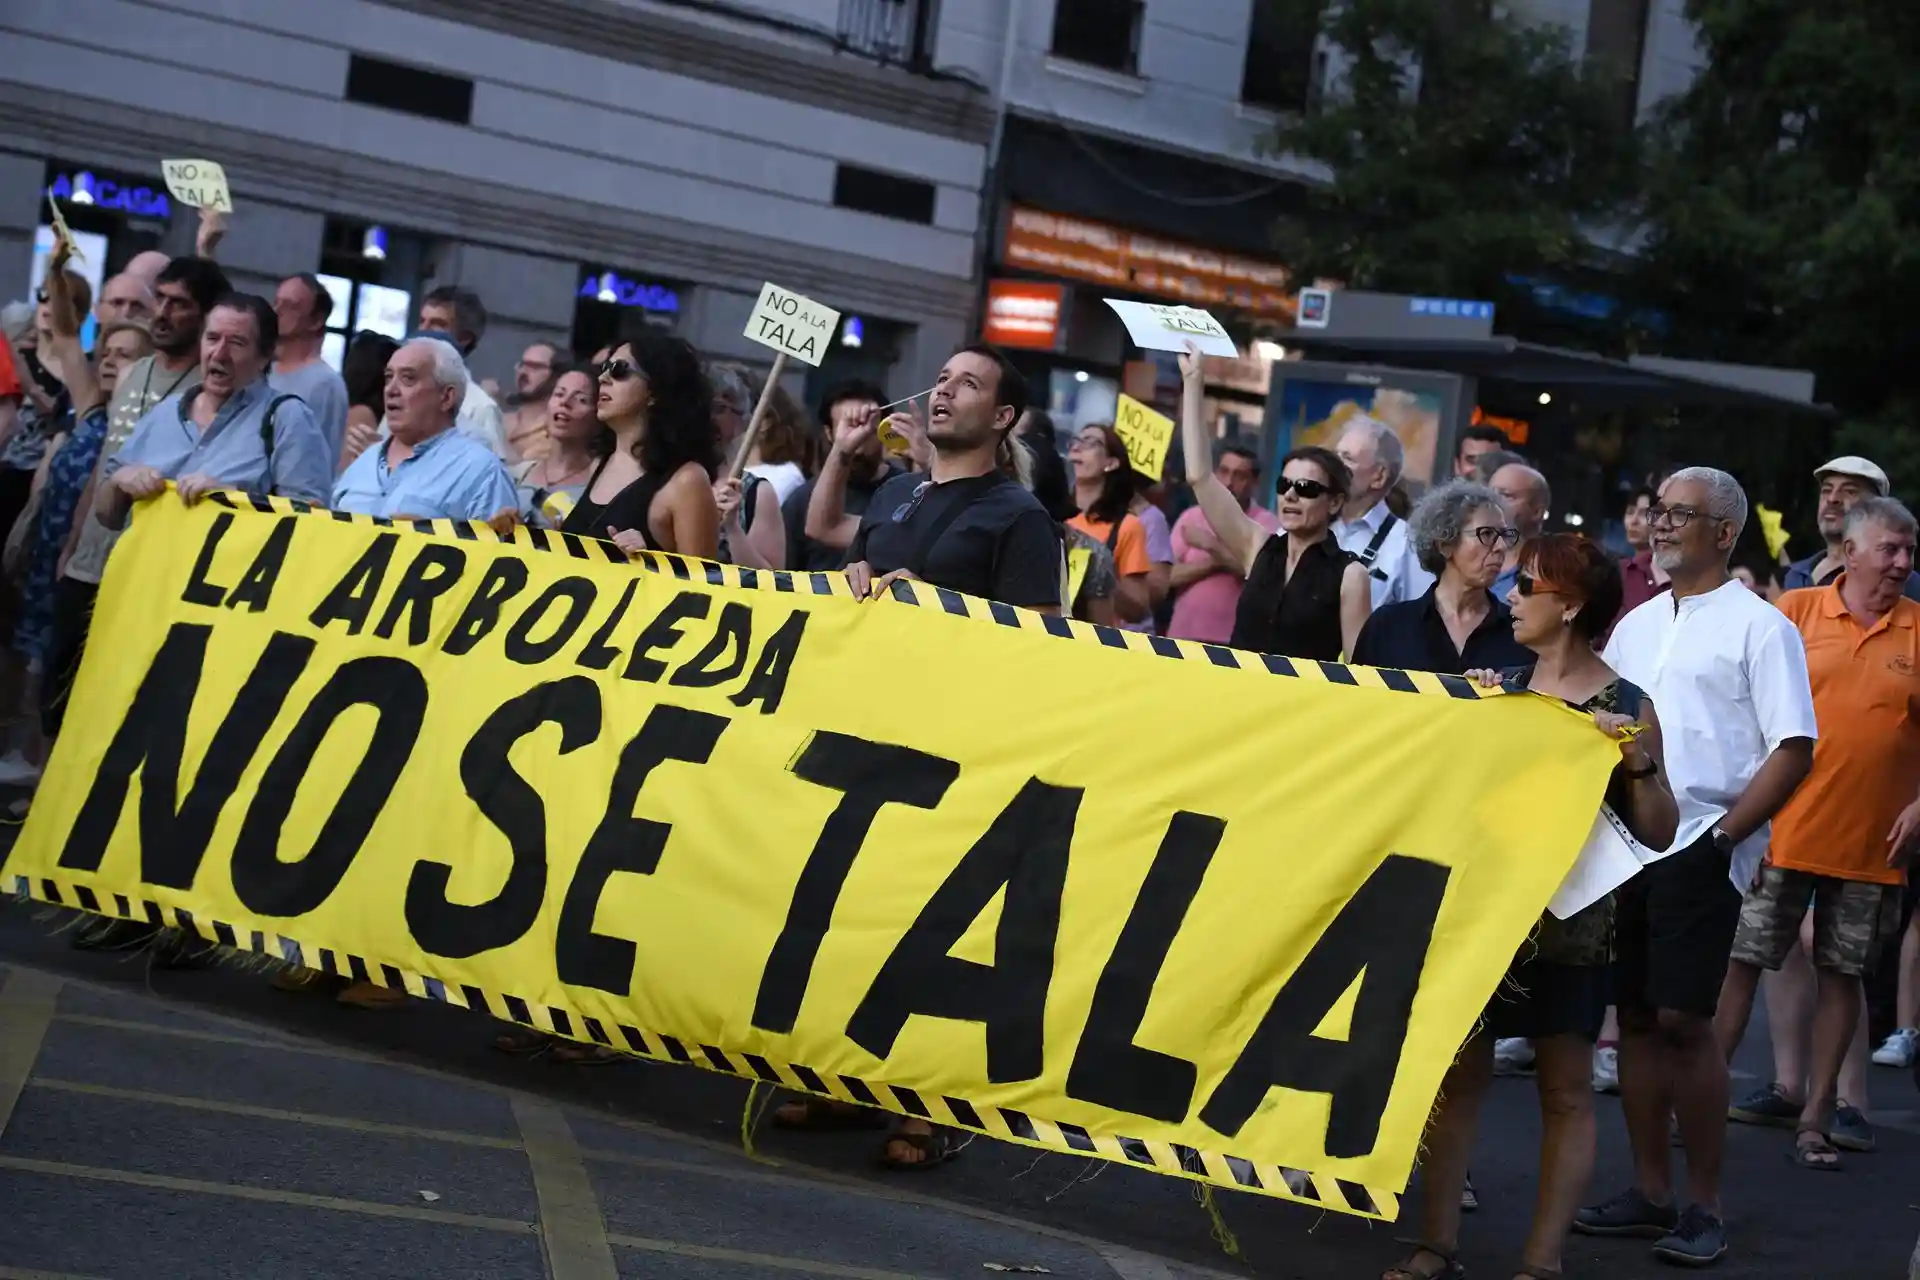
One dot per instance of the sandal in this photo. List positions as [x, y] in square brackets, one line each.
[1811, 1150]
[1450, 1268]
[826, 1115]
[573, 1054]
[1469, 1198]
[523, 1042]
[936, 1149]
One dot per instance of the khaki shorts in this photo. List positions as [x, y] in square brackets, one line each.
[1852, 920]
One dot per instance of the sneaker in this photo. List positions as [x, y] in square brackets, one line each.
[1627, 1214]
[1606, 1069]
[17, 771]
[1899, 1050]
[1512, 1057]
[1469, 1198]
[1768, 1106]
[1850, 1130]
[1700, 1240]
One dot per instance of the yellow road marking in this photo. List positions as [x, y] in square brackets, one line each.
[196, 1186]
[216, 1037]
[773, 1260]
[16, 1273]
[26, 1010]
[572, 1231]
[275, 1113]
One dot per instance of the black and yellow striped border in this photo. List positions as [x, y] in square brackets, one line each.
[1173, 1159]
[920, 594]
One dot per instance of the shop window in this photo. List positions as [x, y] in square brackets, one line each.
[1284, 64]
[376, 82]
[1101, 33]
[371, 274]
[611, 306]
[885, 194]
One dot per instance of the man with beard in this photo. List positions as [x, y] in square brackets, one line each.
[1843, 482]
[525, 419]
[301, 306]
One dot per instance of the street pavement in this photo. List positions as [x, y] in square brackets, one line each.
[163, 1123]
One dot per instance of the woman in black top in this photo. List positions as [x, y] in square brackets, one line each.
[653, 488]
[1304, 598]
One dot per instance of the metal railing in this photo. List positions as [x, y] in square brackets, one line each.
[889, 31]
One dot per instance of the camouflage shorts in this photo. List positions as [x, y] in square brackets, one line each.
[1852, 920]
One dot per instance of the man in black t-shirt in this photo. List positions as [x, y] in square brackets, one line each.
[972, 528]
[845, 408]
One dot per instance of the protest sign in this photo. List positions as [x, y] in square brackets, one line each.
[200, 183]
[794, 327]
[1155, 326]
[634, 803]
[1147, 435]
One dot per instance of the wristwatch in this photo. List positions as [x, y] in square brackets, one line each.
[1722, 841]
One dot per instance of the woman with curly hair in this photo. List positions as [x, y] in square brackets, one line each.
[653, 488]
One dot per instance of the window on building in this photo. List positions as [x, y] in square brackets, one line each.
[1101, 33]
[1616, 42]
[1284, 63]
[371, 274]
[414, 90]
[885, 194]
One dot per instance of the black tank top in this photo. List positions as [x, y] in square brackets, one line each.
[1296, 617]
[627, 509]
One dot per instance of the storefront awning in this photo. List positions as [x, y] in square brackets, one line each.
[1594, 381]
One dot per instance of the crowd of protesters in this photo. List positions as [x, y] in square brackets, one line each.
[1763, 711]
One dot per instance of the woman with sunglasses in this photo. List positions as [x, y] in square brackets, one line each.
[1304, 598]
[653, 487]
[1566, 593]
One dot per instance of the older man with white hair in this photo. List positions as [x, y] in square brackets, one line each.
[425, 469]
[1729, 674]
[1528, 499]
[1369, 532]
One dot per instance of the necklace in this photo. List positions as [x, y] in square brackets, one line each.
[147, 399]
[548, 482]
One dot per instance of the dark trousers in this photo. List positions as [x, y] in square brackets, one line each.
[72, 615]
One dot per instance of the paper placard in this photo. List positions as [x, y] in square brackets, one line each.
[1610, 858]
[62, 232]
[200, 183]
[1157, 326]
[1147, 435]
[787, 322]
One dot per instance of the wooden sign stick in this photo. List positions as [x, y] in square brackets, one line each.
[752, 433]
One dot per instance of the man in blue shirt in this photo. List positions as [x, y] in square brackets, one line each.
[425, 469]
[1843, 482]
[229, 432]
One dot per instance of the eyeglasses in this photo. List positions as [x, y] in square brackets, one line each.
[1490, 536]
[1528, 585]
[1677, 517]
[618, 370]
[904, 512]
[1305, 488]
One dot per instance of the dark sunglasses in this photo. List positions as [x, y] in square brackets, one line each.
[904, 512]
[618, 370]
[1528, 585]
[1508, 537]
[1305, 488]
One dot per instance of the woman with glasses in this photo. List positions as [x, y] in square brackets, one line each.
[1103, 490]
[653, 487]
[1566, 593]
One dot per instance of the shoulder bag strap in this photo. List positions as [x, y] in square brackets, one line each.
[923, 547]
[266, 436]
[1372, 552]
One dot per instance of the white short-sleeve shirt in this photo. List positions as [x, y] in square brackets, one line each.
[1395, 573]
[1727, 673]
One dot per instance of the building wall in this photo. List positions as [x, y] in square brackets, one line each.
[667, 147]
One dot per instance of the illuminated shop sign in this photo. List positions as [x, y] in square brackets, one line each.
[84, 188]
[612, 287]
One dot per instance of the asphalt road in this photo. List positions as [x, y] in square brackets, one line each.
[162, 1123]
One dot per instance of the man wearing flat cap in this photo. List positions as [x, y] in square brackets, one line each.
[1843, 482]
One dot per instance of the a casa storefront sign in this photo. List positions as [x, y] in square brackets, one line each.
[91, 190]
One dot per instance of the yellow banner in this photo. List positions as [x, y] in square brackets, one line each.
[1218, 915]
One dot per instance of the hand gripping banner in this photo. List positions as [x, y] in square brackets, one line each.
[1217, 915]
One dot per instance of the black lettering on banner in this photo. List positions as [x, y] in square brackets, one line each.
[458, 930]
[1109, 1069]
[734, 631]
[351, 599]
[599, 655]
[504, 579]
[153, 739]
[200, 590]
[433, 571]
[625, 844]
[267, 886]
[1380, 937]
[871, 775]
[256, 584]
[1025, 852]
[768, 683]
[663, 633]
[579, 593]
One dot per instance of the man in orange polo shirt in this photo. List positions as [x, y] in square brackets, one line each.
[1841, 844]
